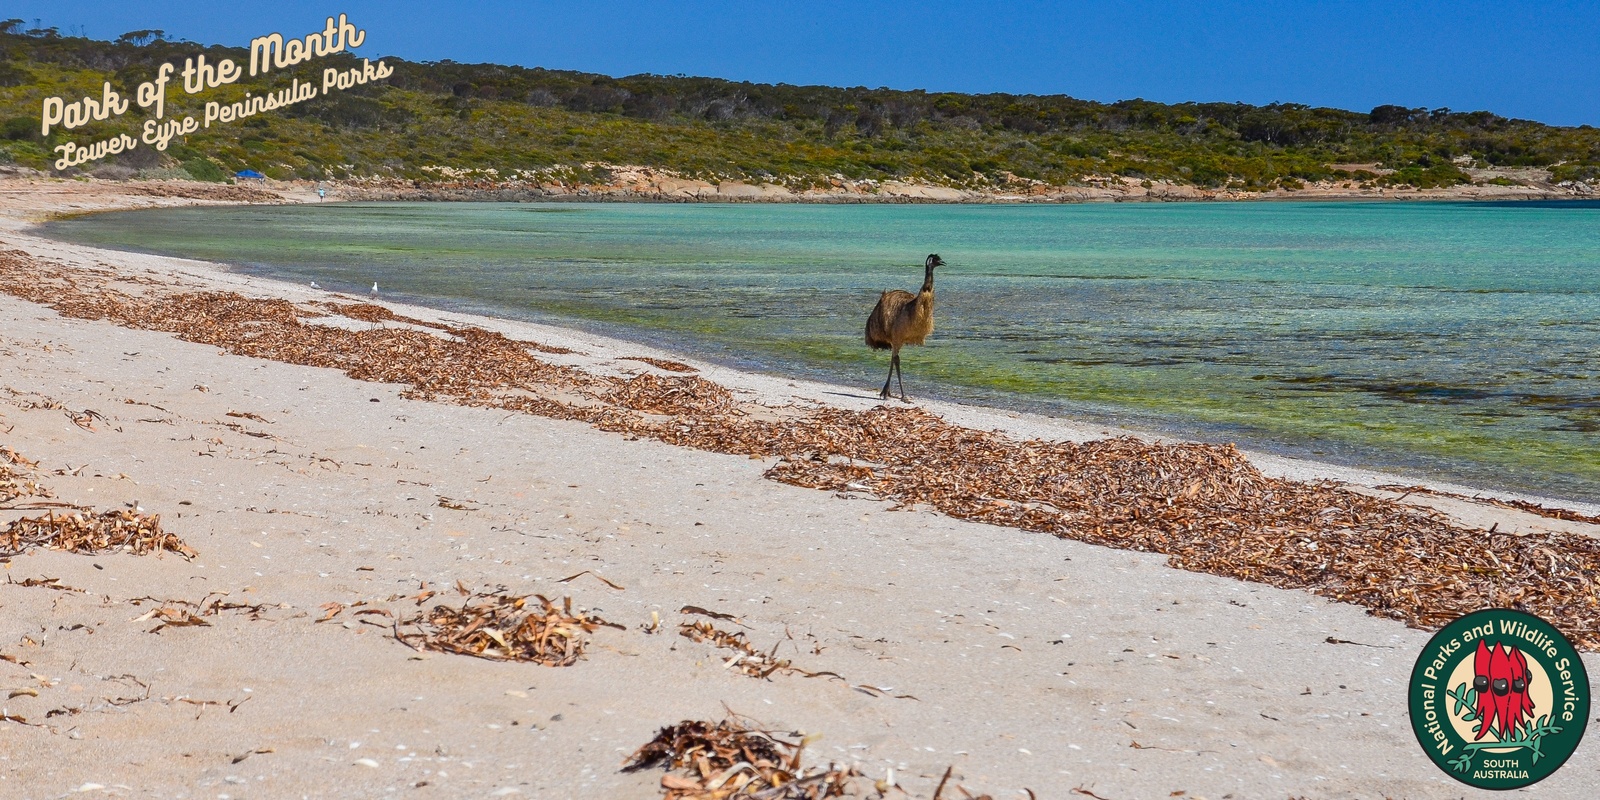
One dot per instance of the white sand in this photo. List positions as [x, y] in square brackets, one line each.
[1034, 662]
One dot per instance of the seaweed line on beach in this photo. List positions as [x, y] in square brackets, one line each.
[1204, 506]
[1565, 514]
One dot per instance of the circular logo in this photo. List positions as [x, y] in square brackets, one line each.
[1499, 699]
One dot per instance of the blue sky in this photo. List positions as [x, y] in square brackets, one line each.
[1531, 60]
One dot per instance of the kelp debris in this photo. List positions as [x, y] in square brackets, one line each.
[89, 533]
[658, 363]
[42, 583]
[15, 482]
[171, 617]
[503, 627]
[746, 658]
[372, 312]
[938, 793]
[1566, 514]
[184, 613]
[712, 761]
[672, 396]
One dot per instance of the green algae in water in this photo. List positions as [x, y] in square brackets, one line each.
[1455, 340]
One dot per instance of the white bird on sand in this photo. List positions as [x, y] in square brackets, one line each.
[314, 285]
[374, 292]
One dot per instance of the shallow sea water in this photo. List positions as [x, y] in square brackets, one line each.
[1451, 340]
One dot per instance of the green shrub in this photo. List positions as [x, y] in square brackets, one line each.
[1427, 177]
[203, 169]
[18, 128]
[1580, 171]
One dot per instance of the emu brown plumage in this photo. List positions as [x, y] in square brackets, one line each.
[899, 319]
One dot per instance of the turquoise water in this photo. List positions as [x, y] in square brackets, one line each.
[1456, 341]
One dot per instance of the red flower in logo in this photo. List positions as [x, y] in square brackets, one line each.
[1502, 684]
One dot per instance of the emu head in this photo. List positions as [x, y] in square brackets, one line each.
[933, 261]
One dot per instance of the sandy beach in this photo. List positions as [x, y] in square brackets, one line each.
[327, 512]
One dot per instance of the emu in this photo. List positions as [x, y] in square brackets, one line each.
[899, 319]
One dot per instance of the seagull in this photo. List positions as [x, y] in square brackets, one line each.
[374, 292]
[314, 285]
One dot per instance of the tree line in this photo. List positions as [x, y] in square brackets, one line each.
[432, 114]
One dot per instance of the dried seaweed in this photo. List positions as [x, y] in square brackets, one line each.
[171, 617]
[746, 658]
[938, 793]
[1566, 514]
[211, 605]
[597, 576]
[728, 760]
[90, 533]
[1211, 511]
[366, 312]
[15, 485]
[10, 456]
[183, 613]
[683, 395]
[658, 363]
[1204, 506]
[502, 627]
[42, 583]
[372, 312]
[15, 482]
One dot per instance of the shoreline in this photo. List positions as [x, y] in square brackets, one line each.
[1025, 417]
[1025, 659]
[822, 386]
[771, 387]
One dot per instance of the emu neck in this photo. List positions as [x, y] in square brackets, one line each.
[927, 283]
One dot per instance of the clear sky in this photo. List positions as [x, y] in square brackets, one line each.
[1532, 60]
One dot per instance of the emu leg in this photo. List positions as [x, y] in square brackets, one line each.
[884, 395]
[901, 377]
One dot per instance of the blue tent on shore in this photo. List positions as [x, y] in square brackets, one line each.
[249, 174]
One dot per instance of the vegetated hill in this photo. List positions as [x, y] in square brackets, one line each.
[481, 116]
